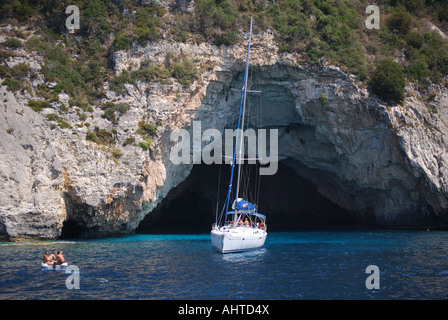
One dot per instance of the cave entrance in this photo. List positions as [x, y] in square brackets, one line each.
[289, 201]
[289, 198]
[75, 227]
[72, 230]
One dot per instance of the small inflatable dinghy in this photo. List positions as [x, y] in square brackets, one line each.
[54, 267]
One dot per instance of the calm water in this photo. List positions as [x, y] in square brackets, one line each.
[291, 265]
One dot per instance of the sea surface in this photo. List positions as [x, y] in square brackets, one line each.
[291, 266]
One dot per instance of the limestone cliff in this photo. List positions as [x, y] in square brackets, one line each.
[384, 164]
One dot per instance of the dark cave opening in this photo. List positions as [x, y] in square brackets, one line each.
[74, 227]
[288, 198]
[71, 230]
[289, 201]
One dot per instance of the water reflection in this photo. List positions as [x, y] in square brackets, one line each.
[246, 257]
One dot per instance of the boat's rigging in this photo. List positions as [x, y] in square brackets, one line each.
[240, 125]
[217, 193]
[245, 172]
[246, 230]
[243, 111]
[250, 175]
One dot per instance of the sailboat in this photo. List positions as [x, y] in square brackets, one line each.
[242, 228]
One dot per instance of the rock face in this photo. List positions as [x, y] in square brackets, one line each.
[30, 173]
[384, 164]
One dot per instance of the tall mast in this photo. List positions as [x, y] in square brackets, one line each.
[240, 155]
[240, 124]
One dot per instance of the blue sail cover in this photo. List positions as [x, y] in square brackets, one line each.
[244, 205]
[259, 215]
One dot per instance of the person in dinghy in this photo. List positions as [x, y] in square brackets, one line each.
[52, 261]
[49, 259]
[46, 259]
[60, 258]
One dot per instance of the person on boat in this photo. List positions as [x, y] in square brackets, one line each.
[246, 222]
[60, 258]
[45, 258]
[51, 257]
[241, 220]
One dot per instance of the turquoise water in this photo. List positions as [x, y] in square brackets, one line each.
[291, 265]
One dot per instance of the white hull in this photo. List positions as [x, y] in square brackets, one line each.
[56, 267]
[227, 239]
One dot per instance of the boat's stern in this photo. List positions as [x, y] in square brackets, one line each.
[226, 240]
[217, 237]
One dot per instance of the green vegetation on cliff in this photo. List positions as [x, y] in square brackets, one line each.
[330, 30]
[388, 81]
